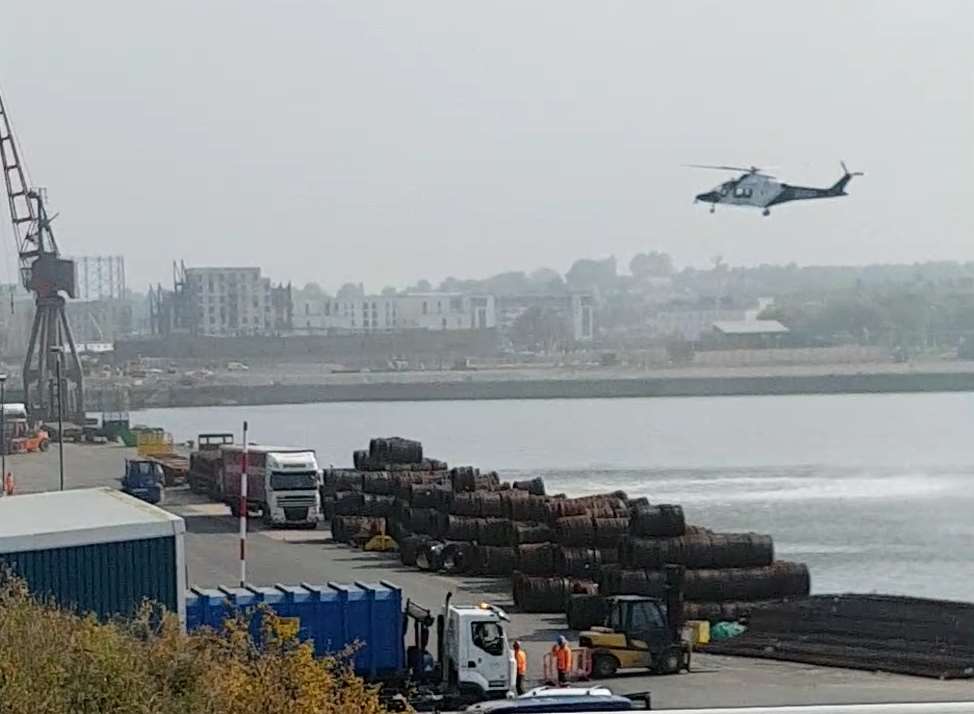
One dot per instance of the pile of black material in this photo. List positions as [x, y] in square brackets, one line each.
[699, 550]
[464, 521]
[533, 594]
[781, 579]
[376, 494]
[931, 638]
[395, 454]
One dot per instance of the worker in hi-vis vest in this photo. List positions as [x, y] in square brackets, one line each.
[563, 659]
[521, 658]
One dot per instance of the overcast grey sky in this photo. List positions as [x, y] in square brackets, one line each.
[389, 141]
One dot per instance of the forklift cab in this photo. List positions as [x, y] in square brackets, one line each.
[144, 479]
[641, 631]
[637, 633]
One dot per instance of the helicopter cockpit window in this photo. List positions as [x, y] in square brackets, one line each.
[742, 192]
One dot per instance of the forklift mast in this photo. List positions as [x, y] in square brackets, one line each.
[674, 600]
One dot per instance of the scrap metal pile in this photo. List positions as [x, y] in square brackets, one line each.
[561, 553]
[933, 638]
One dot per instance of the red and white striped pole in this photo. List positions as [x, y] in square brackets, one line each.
[243, 510]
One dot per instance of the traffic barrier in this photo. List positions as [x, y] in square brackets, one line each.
[580, 670]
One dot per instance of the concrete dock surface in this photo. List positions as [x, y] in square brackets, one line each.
[292, 556]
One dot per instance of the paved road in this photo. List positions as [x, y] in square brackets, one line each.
[285, 556]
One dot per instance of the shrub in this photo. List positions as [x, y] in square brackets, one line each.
[55, 661]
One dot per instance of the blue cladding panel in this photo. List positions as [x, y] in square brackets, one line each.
[106, 578]
[334, 616]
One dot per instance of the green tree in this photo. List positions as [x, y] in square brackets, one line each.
[651, 265]
[540, 328]
[587, 274]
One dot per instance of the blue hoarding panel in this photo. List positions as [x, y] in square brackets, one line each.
[364, 616]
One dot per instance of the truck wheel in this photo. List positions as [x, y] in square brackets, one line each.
[44, 445]
[670, 662]
[604, 666]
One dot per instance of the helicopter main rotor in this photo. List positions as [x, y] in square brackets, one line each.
[752, 170]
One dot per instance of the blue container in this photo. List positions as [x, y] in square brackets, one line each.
[365, 616]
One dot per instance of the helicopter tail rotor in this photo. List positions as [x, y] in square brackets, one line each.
[848, 173]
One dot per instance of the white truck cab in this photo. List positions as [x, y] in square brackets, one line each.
[282, 483]
[292, 487]
[477, 657]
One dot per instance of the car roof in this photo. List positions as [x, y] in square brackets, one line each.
[566, 703]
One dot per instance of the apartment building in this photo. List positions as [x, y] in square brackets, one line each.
[229, 301]
[414, 311]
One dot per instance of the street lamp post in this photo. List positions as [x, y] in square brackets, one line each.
[3, 431]
[57, 352]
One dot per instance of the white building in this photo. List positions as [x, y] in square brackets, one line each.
[415, 311]
[229, 301]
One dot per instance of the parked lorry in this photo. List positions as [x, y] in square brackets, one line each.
[144, 478]
[474, 659]
[205, 464]
[282, 483]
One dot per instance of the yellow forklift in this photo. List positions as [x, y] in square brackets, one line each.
[641, 632]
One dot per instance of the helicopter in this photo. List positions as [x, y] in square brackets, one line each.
[760, 190]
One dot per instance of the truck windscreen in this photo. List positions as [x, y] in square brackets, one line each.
[293, 480]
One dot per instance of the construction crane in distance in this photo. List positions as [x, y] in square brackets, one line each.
[51, 350]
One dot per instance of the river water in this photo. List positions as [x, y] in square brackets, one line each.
[874, 492]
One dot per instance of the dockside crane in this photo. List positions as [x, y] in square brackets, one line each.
[49, 277]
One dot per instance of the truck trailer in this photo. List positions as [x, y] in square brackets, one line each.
[282, 483]
[474, 660]
[206, 464]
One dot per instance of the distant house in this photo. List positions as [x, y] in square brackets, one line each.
[749, 334]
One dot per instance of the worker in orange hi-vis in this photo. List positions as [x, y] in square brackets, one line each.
[521, 658]
[563, 660]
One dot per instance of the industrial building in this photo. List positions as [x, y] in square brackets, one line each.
[413, 311]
